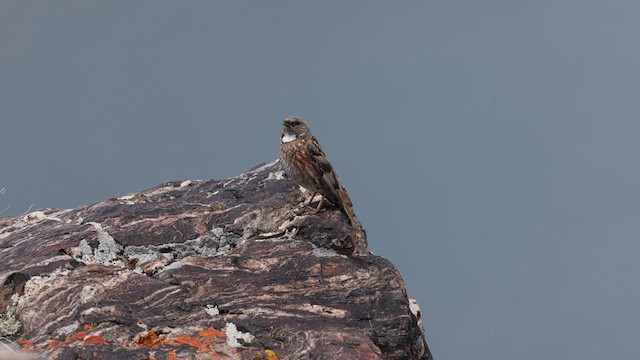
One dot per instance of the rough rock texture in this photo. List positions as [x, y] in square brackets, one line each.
[221, 269]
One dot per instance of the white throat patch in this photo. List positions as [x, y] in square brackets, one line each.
[288, 138]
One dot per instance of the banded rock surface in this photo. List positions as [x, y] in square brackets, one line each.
[220, 269]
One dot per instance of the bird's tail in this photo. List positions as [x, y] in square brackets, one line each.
[340, 198]
[346, 207]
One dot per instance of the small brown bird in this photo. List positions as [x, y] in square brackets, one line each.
[307, 165]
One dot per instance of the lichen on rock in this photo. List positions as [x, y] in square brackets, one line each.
[9, 323]
[236, 267]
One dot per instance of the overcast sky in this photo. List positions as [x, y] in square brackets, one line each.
[490, 147]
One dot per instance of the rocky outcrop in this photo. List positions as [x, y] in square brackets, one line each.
[220, 269]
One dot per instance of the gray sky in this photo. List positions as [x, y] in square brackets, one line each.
[490, 147]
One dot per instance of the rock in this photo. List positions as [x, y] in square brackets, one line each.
[220, 269]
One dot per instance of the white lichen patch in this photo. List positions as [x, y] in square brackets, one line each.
[142, 325]
[233, 335]
[157, 257]
[107, 251]
[144, 256]
[36, 283]
[258, 311]
[212, 310]
[84, 250]
[128, 197]
[276, 175]
[40, 215]
[415, 310]
[322, 252]
[217, 232]
[174, 265]
[35, 215]
[185, 183]
[9, 323]
[152, 267]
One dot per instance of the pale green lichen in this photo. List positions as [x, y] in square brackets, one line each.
[9, 323]
[233, 335]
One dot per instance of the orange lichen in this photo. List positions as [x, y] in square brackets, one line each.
[25, 343]
[79, 336]
[193, 342]
[54, 343]
[172, 355]
[152, 339]
[88, 326]
[203, 342]
[212, 333]
[171, 342]
[94, 339]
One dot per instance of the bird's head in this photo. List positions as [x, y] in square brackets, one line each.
[294, 128]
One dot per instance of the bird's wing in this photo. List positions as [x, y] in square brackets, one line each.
[336, 192]
[323, 168]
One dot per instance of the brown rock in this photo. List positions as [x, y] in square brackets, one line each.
[221, 269]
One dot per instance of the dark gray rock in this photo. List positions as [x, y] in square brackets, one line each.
[229, 269]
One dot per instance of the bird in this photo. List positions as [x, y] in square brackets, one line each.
[304, 162]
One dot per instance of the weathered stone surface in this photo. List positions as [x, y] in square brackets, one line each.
[229, 269]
